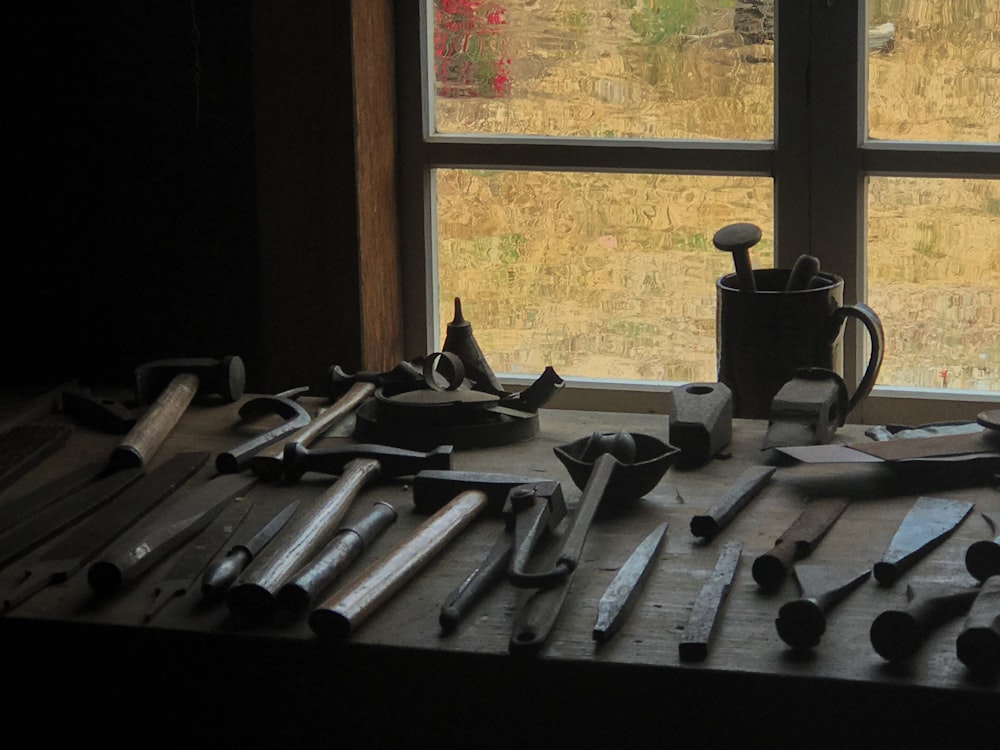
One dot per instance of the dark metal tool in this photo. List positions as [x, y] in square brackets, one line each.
[802, 622]
[39, 407]
[100, 412]
[746, 487]
[798, 541]
[17, 511]
[171, 385]
[222, 572]
[337, 617]
[978, 645]
[808, 409]
[802, 273]
[705, 612]
[269, 462]
[253, 595]
[982, 558]
[530, 507]
[193, 558]
[284, 405]
[25, 446]
[897, 634]
[929, 522]
[460, 341]
[163, 531]
[81, 544]
[619, 466]
[621, 595]
[343, 549]
[700, 421]
[738, 239]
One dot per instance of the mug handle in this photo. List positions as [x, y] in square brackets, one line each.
[873, 325]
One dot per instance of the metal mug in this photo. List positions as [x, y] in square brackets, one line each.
[764, 336]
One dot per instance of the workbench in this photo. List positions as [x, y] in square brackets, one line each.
[197, 675]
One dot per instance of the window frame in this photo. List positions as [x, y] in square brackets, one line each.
[827, 214]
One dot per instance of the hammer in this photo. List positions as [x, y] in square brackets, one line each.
[254, 594]
[173, 384]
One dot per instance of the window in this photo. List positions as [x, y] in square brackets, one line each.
[565, 165]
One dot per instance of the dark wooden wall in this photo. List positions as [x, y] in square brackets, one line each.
[185, 183]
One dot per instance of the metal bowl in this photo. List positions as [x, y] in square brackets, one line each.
[629, 481]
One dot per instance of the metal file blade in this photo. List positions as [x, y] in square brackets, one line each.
[620, 597]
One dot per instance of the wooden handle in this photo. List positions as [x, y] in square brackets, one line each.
[148, 434]
[770, 569]
[339, 615]
[268, 463]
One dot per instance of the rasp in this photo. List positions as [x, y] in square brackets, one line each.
[705, 612]
[57, 517]
[802, 622]
[619, 599]
[19, 510]
[82, 543]
[162, 532]
[197, 554]
[221, 573]
[798, 541]
[745, 489]
[27, 445]
[929, 522]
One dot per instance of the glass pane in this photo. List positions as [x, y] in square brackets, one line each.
[934, 71]
[598, 275]
[605, 68]
[934, 279]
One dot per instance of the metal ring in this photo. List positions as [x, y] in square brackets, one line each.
[448, 380]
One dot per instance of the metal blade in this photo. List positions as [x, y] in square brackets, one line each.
[196, 556]
[79, 545]
[621, 595]
[698, 631]
[802, 622]
[928, 523]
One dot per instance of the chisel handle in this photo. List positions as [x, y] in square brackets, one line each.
[338, 616]
[770, 569]
[152, 428]
[978, 645]
[896, 634]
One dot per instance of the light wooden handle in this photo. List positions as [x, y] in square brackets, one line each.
[339, 615]
[148, 434]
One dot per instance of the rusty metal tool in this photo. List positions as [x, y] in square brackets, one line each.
[697, 633]
[982, 558]
[746, 487]
[738, 239]
[341, 614]
[531, 507]
[82, 543]
[621, 595]
[319, 573]
[268, 463]
[897, 634]
[253, 595]
[171, 385]
[801, 622]
[192, 559]
[978, 645]
[808, 409]
[798, 540]
[163, 531]
[222, 572]
[284, 405]
[404, 375]
[929, 522]
[622, 467]
[700, 421]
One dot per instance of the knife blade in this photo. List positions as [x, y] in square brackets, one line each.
[172, 525]
[221, 573]
[81, 544]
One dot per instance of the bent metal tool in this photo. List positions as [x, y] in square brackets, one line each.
[705, 612]
[798, 541]
[284, 405]
[929, 522]
[802, 622]
[81, 544]
[621, 595]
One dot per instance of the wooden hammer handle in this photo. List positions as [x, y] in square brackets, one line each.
[346, 609]
[148, 434]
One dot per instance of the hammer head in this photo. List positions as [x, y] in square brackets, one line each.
[225, 377]
[432, 489]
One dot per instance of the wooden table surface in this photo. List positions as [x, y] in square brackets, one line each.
[745, 643]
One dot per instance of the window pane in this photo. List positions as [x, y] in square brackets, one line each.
[597, 275]
[605, 68]
[934, 279]
[936, 76]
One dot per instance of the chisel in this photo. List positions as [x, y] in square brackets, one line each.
[620, 597]
[705, 612]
